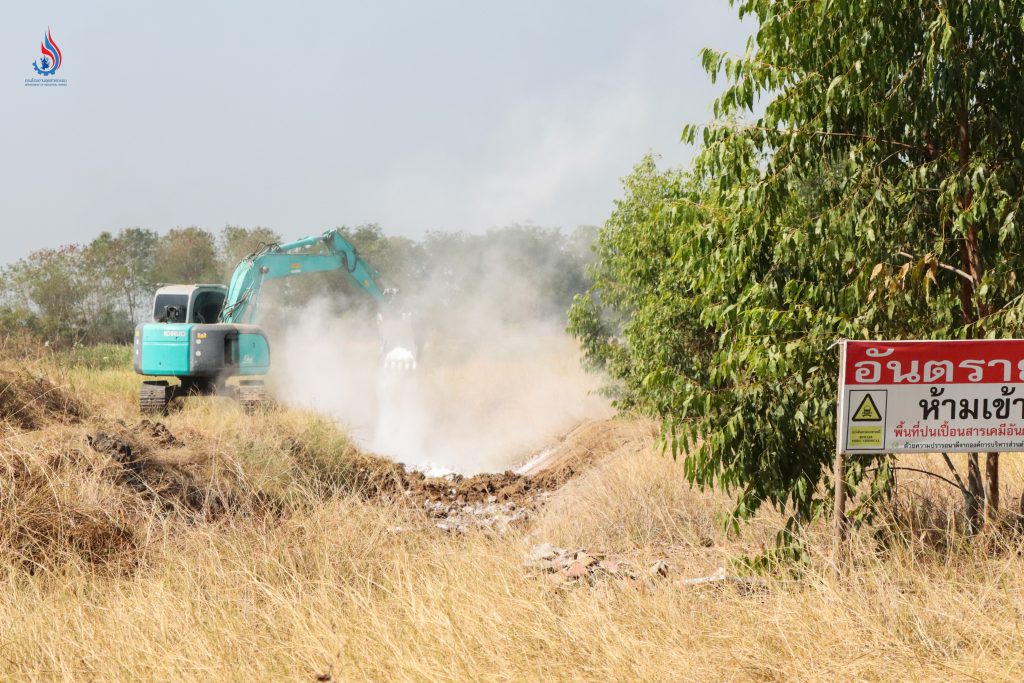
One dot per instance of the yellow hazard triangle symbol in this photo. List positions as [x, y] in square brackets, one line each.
[867, 411]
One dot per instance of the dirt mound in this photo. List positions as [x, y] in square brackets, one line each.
[150, 467]
[585, 446]
[94, 492]
[99, 496]
[57, 506]
[30, 402]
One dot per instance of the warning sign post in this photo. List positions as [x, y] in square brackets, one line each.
[964, 396]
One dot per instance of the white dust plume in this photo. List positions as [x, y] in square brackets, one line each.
[492, 385]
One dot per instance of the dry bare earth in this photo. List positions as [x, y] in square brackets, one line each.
[235, 547]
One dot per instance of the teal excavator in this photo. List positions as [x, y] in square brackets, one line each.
[202, 335]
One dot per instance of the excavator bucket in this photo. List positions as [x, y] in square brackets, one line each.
[400, 340]
[400, 358]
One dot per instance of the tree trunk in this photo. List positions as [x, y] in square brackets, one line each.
[992, 485]
[130, 300]
[972, 311]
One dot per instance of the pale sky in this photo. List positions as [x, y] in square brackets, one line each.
[301, 116]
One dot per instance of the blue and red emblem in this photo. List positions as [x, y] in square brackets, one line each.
[51, 59]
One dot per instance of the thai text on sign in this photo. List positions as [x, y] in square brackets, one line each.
[931, 396]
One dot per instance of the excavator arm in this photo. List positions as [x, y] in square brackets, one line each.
[399, 341]
[284, 260]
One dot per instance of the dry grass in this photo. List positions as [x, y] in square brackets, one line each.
[324, 582]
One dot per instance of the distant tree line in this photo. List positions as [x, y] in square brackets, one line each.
[99, 291]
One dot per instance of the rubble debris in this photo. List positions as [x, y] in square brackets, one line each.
[462, 517]
[457, 503]
[566, 566]
[718, 577]
[491, 501]
[500, 501]
[576, 570]
[543, 552]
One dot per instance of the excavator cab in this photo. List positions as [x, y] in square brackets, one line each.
[188, 303]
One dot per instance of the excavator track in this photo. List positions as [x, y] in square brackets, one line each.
[252, 395]
[154, 397]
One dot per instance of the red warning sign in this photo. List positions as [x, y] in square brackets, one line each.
[931, 396]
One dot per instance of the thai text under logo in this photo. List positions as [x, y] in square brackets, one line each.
[52, 58]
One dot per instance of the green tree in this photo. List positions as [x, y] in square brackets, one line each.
[81, 295]
[236, 243]
[877, 196]
[186, 256]
[51, 288]
[642, 313]
[122, 270]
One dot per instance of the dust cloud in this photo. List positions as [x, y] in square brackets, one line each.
[495, 382]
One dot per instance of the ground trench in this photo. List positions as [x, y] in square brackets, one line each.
[90, 485]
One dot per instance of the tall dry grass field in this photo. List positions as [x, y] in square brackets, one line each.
[238, 547]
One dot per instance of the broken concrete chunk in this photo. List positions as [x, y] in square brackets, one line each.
[576, 570]
[573, 565]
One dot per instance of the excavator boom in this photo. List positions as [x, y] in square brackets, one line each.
[277, 261]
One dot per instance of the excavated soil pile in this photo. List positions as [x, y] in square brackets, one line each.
[30, 402]
[157, 466]
[71, 495]
[455, 502]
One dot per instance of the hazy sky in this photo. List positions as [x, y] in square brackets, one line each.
[418, 115]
